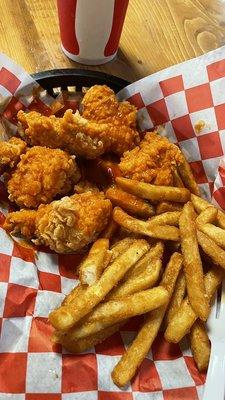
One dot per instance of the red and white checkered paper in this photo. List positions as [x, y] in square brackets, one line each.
[32, 285]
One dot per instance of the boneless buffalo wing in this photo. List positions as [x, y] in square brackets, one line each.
[65, 225]
[41, 175]
[101, 105]
[10, 152]
[78, 135]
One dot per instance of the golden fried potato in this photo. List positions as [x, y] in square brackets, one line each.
[114, 311]
[153, 192]
[201, 204]
[208, 215]
[176, 299]
[129, 202]
[185, 316]
[66, 316]
[192, 262]
[211, 248]
[79, 346]
[167, 218]
[119, 247]
[132, 358]
[168, 206]
[92, 266]
[200, 345]
[187, 176]
[143, 275]
[164, 232]
[215, 233]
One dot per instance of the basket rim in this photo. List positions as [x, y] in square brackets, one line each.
[84, 73]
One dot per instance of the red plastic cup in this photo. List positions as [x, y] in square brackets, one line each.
[90, 29]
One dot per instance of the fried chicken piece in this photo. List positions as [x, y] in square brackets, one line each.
[101, 105]
[65, 225]
[85, 186]
[153, 161]
[76, 134]
[21, 222]
[41, 175]
[10, 152]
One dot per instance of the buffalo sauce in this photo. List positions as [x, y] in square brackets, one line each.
[101, 171]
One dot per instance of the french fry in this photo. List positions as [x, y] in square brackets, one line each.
[153, 192]
[65, 317]
[129, 202]
[155, 252]
[165, 232]
[92, 266]
[107, 259]
[192, 262]
[211, 249]
[177, 181]
[185, 317]
[130, 361]
[110, 230]
[119, 247]
[208, 215]
[201, 204]
[86, 343]
[165, 206]
[187, 176]
[144, 274]
[215, 233]
[145, 280]
[80, 289]
[176, 299]
[114, 311]
[168, 218]
[74, 294]
[200, 345]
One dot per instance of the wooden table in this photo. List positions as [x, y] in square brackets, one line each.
[157, 34]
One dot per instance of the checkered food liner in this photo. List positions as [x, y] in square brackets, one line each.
[187, 101]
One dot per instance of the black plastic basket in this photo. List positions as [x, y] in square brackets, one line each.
[68, 77]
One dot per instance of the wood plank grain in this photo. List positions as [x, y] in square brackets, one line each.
[157, 34]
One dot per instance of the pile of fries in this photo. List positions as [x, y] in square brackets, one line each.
[128, 278]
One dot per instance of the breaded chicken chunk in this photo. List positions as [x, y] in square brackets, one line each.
[101, 105]
[10, 152]
[41, 175]
[76, 134]
[85, 186]
[65, 225]
[153, 161]
[21, 222]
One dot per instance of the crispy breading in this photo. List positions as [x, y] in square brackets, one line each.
[65, 225]
[76, 134]
[41, 175]
[101, 105]
[10, 152]
[85, 186]
[21, 222]
[153, 161]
